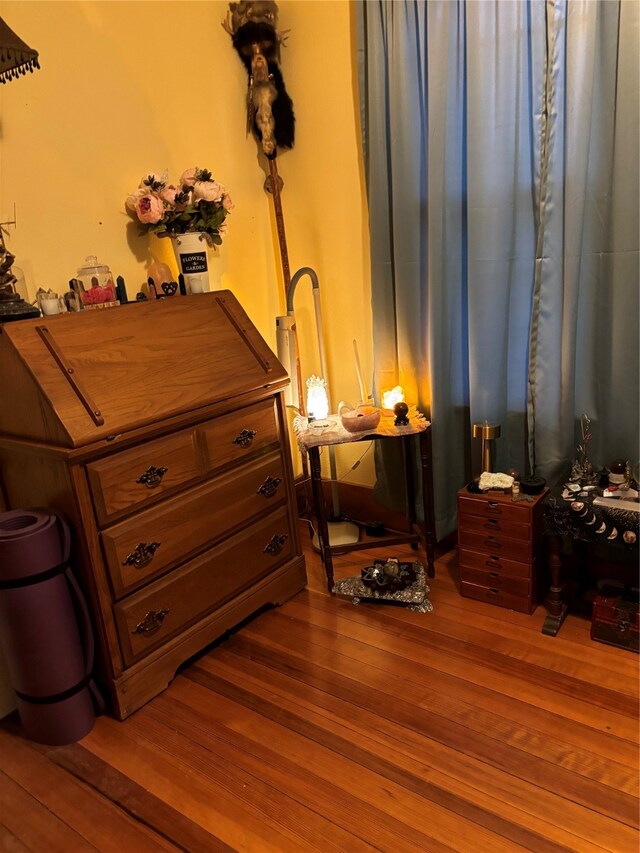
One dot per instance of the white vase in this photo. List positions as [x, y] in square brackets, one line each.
[193, 262]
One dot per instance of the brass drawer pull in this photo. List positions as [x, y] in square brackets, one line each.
[492, 524]
[276, 543]
[141, 555]
[493, 562]
[494, 574]
[492, 542]
[152, 477]
[493, 508]
[269, 487]
[245, 437]
[152, 622]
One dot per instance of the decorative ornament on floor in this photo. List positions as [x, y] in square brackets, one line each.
[388, 581]
[192, 213]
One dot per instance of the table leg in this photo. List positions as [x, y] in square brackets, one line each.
[553, 602]
[427, 500]
[321, 514]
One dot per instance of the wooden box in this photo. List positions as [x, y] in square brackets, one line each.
[158, 429]
[616, 621]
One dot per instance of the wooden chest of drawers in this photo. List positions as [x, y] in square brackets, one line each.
[498, 549]
[159, 431]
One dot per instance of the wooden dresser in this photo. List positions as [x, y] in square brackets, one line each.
[498, 555]
[159, 430]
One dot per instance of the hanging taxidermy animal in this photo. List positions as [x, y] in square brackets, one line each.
[253, 27]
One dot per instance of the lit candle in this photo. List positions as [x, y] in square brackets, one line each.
[390, 398]
[317, 399]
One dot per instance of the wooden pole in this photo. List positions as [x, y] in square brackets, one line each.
[282, 237]
[286, 276]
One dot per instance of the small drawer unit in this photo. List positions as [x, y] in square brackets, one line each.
[498, 549]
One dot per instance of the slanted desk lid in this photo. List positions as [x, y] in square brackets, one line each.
[105, 372]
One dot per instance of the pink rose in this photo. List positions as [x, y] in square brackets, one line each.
[189, 178]
[168, 194]
[149, 209]
[131, 200]
[227, 203]
[207, 190]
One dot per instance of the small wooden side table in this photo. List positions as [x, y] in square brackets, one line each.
[310, 440]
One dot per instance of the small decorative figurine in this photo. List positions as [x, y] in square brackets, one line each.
[401, 410]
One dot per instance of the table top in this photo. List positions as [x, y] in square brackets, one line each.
[580, 514]
[330, 431]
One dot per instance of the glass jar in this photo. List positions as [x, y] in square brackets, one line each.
[97, 282]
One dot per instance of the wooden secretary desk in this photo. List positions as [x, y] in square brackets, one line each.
[158, 430]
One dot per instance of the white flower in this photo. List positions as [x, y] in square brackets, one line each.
[207, 190]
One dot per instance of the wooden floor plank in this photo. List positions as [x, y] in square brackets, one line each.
[433, 758]
[204, 802]
[294, 769]
[415, 763]
[412, 661]
[380, 691]
[535, 691]
[33, 824]
[100, 824]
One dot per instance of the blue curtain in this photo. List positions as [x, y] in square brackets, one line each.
[501, 152]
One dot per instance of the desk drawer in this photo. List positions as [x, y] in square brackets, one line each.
[237, 435]
[492, 595]
[501, 508]
[496, 546]
[159, 538]
[147, 619]
[491, 564]
[520, 530]
[133, 478]
[495, 580]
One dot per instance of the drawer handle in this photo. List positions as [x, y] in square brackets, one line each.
[494, 574]
[141, 555]
[152, 477]
[493, 562]
[269, 487]
[276, 543]
[245, 437]
[494, 592]
[492, 524]
[152, 622]
[492, 542]
[493, 508]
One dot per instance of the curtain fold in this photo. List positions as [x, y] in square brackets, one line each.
[502, 254]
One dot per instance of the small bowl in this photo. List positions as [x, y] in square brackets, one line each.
[360, 419]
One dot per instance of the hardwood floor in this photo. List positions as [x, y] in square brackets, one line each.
[323, 726]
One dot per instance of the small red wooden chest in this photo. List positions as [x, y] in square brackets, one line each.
[616, 621]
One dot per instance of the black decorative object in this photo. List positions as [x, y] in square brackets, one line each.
[414, 597]
[256, 39]
[401, 411]
[16, 57]
[388, 575]
[532, 485]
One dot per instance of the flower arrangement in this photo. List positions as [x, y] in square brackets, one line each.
[197, 203]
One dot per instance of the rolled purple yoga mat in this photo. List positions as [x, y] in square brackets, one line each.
[45, 631]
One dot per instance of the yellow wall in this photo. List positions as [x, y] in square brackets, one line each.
[131, 87]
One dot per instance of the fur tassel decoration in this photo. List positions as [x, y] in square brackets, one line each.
[253, 27]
